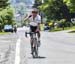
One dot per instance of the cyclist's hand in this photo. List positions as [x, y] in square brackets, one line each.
[30, 16]
[37, 30]
[27, 17]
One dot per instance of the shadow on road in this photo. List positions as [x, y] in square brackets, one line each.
[39, 57]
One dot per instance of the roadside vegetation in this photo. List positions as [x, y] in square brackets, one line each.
[6, 14]
[58, 11]
[66, 28]
[3, 33]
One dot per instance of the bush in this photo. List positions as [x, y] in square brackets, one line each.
[62, 23]
[6, 17]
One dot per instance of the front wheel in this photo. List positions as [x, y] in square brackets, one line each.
[35, 53]
[35, 49]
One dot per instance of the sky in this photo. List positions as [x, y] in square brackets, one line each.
[16, 3]
[27, 2]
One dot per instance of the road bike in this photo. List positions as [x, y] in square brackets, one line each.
[34, 43]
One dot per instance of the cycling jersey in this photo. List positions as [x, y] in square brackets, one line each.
[34, 22]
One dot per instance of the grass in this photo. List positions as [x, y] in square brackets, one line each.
[57, 29]
[3, 33]
[66, 28]
[72, 28]
[72, 31]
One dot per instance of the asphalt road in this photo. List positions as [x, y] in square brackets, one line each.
[56, 48]
[7, 48]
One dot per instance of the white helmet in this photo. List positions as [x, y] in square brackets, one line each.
[34, 10]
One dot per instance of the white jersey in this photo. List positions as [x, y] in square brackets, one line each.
[34, 22]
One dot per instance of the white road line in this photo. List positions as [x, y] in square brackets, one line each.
[17, 55]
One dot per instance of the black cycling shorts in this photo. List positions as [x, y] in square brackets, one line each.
[33, 28]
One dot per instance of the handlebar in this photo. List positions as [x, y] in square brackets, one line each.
[30, 33]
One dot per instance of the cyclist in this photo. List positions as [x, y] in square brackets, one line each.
[15, 28]
[35, 20]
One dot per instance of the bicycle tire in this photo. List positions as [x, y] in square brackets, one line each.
[35, 49]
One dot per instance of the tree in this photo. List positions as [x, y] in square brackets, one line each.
[52, 9]
[4, 3]
[6, 13]
[37, 3]
[71, 5]
[56, 10]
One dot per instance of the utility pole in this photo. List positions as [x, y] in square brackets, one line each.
[42, 12]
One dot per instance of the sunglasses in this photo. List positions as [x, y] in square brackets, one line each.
[34, 12]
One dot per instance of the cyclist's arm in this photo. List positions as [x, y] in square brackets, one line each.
[27, 18]
[39, 22]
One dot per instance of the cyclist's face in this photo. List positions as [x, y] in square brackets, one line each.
[34, 14]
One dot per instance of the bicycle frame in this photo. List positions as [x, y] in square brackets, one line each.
[35, 45]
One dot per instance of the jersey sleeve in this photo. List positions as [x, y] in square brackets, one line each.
[38, 19]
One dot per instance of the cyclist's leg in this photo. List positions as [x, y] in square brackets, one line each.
[33, 28]
[39, 43]
[38, 34]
